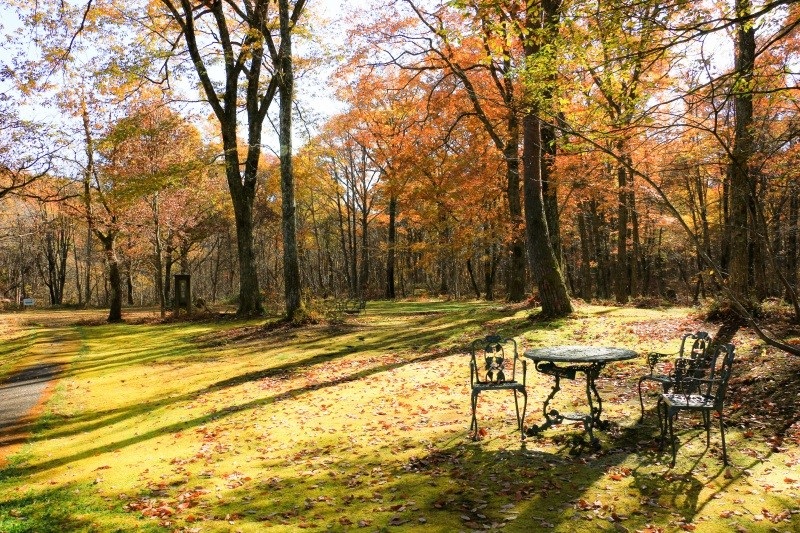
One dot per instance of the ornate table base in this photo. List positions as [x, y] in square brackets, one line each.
[566, 362]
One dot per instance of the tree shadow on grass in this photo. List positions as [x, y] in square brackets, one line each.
[52, 509]
[96, 420]
[423, 334]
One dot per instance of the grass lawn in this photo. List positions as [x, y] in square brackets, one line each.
[225, 425]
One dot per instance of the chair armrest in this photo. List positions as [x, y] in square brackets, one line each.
[653, 358]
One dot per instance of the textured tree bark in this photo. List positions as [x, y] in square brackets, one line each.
[586, 258]
[791, 237]
[622, 268]
[114, 276]
[516, 282]
[291, 264]
[158, 263]
[391, 244]
[87, 199]
[472, 281]
[489, 271]
[363, 276]
[544, 267]
[550, 190]
[636, 258]
[740, 179]
[249, 292]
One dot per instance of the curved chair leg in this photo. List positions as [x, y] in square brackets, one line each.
[672, 437]
[473, 427]
[524, 410]
[521, 417]
[641, 401]
[722, 434]
[662, 422]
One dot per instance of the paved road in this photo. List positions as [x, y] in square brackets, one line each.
[19, 395]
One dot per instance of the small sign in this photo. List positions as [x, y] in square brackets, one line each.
[27, 302]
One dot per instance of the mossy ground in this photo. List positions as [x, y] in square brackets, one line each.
[226, 425]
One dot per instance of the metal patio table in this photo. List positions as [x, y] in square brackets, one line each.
[566, 362]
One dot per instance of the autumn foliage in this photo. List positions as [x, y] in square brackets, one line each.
[414, 186]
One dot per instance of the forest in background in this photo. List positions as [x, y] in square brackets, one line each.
[648, 147]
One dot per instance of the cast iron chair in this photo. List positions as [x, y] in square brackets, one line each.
[696, 344]
[699, 391]
[493, 366]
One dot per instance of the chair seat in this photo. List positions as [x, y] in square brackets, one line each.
[498, 385]
[688, 401]
[660, 378]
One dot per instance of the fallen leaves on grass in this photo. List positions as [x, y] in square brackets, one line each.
[165, 508]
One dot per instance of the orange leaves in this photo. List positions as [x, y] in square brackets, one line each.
[235, 479]
[618, 474]
[598, 509]
[190, 498]
[165, 509]
[765, 514]
[151, 508]
[583, 505]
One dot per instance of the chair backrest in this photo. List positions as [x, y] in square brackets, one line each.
[712, 382]
[720, 373]
[693, 360]
[494, 359]
[700, 341]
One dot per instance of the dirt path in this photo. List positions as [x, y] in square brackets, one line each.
[19, 396]
[24, 393]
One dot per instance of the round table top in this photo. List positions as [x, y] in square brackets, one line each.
[580, 354]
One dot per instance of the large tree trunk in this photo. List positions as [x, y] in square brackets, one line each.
[291, 263]
[114, 276]
[622, 270]
[541, 257]
[87, 199]
[78, 287]
[392, 243]
[168, 262]
[363, 277]
[57, 240]
[791, 238]
[516, 282]
[158, 263]
[702, 205]
[344, 238]
[636, 260]
[740, 179]
[550, 189]
[546, 272]
[489, 271]
[759, 240]
[249, 292]
[586, 257]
